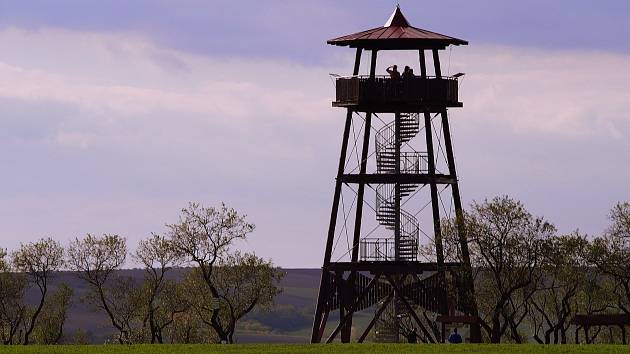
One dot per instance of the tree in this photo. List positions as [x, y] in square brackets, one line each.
[204, 236]
[12, 306]
[38, 260]
[49, 329]
[504, 243]
[611, 254]
[95, 259]
[564, 270]
[242, 282]
[162, 296]
[188, 328]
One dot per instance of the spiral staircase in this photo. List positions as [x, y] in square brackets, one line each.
[387, 147]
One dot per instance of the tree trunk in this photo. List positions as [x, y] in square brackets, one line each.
[60, 332]
[495, 335]
[31, 326]
[111, 315]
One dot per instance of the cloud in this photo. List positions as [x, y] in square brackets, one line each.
[121, 131]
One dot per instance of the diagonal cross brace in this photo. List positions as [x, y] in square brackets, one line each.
[410, 309]
[377, 315]
[353, 307]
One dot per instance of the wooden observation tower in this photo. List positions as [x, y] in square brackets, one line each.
[398, 269]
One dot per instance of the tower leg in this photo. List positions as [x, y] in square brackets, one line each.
[347, 329]
[397, 226]
[437, 229]
[324, 286]
[319, 322]
[469, 302]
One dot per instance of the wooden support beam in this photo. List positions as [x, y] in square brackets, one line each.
[319, 321]
[353, 308]
[345, 335]
[377, 315]
[423, 64]
[404, 178]
[436, 63]
[322, 326]
[435, 204]
[470, 304]
[410, 309]
[357, 62]
[391, 267]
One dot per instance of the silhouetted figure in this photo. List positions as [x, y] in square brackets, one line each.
[393, 72]
[455, 338]
[412, 337]
[408, 73]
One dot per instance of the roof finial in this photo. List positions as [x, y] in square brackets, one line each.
[397, 19]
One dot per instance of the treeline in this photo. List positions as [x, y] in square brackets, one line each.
[531, 281]
[220, 286]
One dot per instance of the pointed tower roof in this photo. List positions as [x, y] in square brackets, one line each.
[397, 33]
[397, 19]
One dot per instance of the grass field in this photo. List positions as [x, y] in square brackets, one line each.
[319, 348]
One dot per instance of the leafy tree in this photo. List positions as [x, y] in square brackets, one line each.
[227, 285]
[49, 329]
[242, 282]
[162, 296]
[505, 249]
[38, 260]
[611, 254]
[96, 259]
[12, 306]
[188, 328]
[564, 270]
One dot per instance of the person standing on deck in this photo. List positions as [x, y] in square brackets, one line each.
[393, 72]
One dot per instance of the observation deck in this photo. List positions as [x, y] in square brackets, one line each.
[383, 94]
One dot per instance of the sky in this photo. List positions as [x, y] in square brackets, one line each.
[115, 114]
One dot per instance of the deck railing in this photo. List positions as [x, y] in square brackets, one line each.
[383, 89]
[384, 249]
[377, 249]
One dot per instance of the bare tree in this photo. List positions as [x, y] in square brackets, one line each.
[38, 260]
[95, 259]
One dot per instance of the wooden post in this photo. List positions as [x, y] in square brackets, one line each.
[413, 314]
[397, 225]
[437, 230]
[353, 307]
[423, 65]
[345, 332]
[364, 157]
[468, 286]
[436, 64]
[377, 315]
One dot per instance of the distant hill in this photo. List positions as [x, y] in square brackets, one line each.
[289, 321]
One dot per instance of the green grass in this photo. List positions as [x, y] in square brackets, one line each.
[319, 348]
